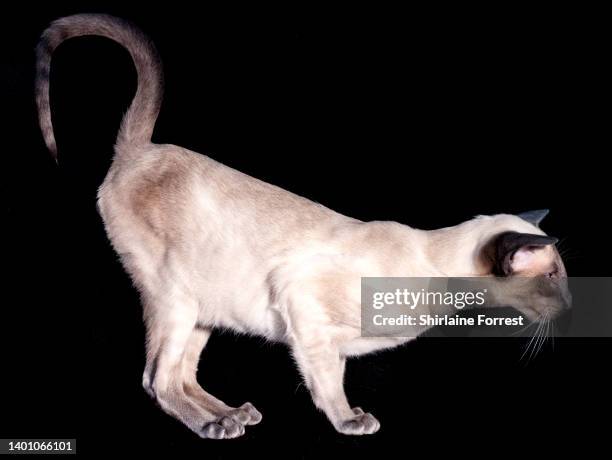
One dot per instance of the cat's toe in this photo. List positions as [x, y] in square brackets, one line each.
[363, 423]
[254, 414]
[212, 430]
[223, 428]
[246, 414]
[233, 428]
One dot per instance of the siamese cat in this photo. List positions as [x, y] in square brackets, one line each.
[209, 247]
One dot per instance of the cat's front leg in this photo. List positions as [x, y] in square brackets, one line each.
[322, 368]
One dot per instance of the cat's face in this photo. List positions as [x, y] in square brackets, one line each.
[540, 296]
[533, 270]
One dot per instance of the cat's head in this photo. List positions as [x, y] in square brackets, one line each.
[528, 261]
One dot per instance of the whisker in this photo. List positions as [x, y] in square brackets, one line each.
[540, 325]
[524, 328]
[530, 341]
[543, 336]
[537, 339]
[546, 333]
[552, 334]
[540, 340]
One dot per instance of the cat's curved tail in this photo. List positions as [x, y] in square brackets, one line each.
[139, 120]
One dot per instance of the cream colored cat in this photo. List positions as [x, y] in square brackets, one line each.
[209, 247]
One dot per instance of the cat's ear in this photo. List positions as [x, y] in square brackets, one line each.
[517, 252]
[534, 217]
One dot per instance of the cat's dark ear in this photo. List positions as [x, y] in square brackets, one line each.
[534, 217]
[515, 252]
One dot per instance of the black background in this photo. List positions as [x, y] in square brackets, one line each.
[423, 117]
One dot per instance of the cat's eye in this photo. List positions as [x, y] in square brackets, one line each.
[553, 274]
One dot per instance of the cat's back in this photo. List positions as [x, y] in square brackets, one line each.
[167, 189]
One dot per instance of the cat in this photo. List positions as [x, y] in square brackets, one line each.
[209, 247]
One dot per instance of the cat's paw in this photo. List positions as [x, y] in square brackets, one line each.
[246, 414]
[225, 427]
[362, 423]
[231, 424]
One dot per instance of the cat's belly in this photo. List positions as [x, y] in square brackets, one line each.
[267, 324]
[242, 304]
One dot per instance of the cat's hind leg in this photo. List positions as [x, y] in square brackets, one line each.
[170, 322]
[246, 414]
